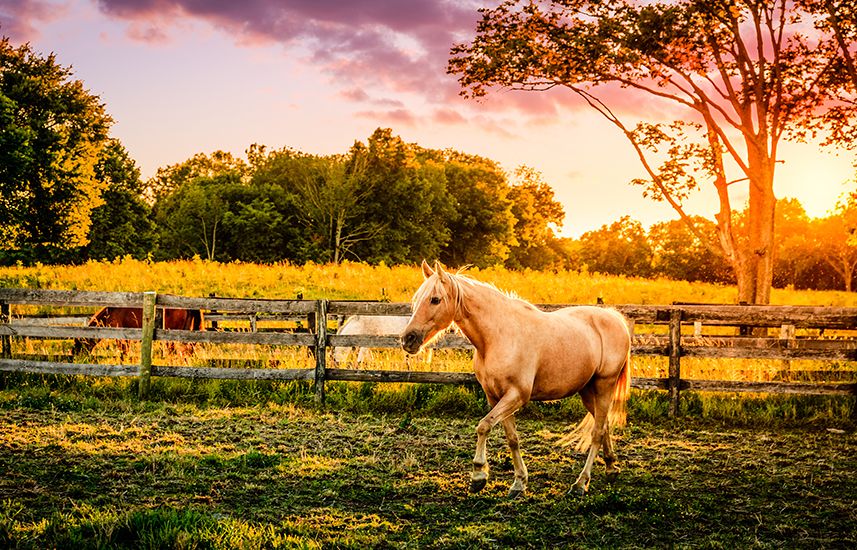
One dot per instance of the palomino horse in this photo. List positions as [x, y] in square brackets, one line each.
[132, 317]
[524, 354]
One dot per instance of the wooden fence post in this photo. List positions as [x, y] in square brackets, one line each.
[146, 343]
[675, 360]
[320, 349]
[6, 317]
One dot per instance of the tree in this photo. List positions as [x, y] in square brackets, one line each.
[481, 225]
[838, 20]
[837, 237]
[190, 217]
[169, 179]
[52, 131]
[618, 249]
[409, 202]
[797, 244]
[680, 254]
[536, 214]
[123, 224]
[743, 73]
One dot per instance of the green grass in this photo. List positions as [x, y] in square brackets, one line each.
[104, 471]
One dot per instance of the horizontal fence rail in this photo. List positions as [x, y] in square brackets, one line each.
[313, 318]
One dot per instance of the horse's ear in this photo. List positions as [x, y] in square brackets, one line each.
[441, 274]
[427, 272]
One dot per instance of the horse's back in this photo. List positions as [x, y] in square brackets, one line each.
[376, 325]
[607, 321]
[118, 317]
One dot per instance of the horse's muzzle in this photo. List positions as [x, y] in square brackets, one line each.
[411, 341]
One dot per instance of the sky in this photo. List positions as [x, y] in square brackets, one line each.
[181, 77]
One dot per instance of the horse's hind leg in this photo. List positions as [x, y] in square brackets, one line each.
[588, 397]
[521, 476]
[610, 456]
[603, 398]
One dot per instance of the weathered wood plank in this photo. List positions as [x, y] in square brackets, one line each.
[770, 353]
[422, 377]
[769, 343]
[363, 341]
[392, 342]
[148, 330]
[674, 360]
[239, 305]
[48, 367]
[71, 297]
[770, 387]
[338, 307]
[650, 349]
[233, 373]
[773, 316]
[76, 320]
[261, 338]
[5, 340]
[650, 383]
[51, 332]
[319, 375]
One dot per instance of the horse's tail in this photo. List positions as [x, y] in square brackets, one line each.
[581, 435]
[619, 410]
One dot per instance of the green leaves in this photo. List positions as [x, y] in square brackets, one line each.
[51, 131]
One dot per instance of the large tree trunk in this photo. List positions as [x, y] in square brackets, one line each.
[759, 255]
[751, 257]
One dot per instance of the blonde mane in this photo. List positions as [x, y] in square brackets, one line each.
[459, 281]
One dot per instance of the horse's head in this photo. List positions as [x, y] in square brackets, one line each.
[434, 307]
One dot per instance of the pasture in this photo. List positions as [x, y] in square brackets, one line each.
[256, 464]
[85, 468]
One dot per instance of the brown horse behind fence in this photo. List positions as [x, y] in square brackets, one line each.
[132, 317]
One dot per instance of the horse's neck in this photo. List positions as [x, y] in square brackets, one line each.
[483, 310]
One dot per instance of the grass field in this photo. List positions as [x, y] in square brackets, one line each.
[102, 473]
[361, 281]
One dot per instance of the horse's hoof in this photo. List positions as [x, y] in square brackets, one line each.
[477, 485]
[515, 493]
[612, 476]
[577, 491]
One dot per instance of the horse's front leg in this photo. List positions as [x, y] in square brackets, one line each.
[505, 407]
[521, 476]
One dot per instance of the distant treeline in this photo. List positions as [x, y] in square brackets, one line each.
[394, 202]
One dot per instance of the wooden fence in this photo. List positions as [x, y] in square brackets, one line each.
[672, 343]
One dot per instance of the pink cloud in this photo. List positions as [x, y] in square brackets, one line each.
[392, 117]
[388, 44]
[448, 116]
[18, 18]
[370, 49]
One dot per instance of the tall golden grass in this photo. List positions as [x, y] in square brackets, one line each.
[349, 281]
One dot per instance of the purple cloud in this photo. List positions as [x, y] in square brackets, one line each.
[376, 52]
[370, 49]
[18, 18]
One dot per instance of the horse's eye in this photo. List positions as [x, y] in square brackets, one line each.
[435, 300]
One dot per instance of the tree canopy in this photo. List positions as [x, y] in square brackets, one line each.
[384, 200]
[52, 131]
[742, 74]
